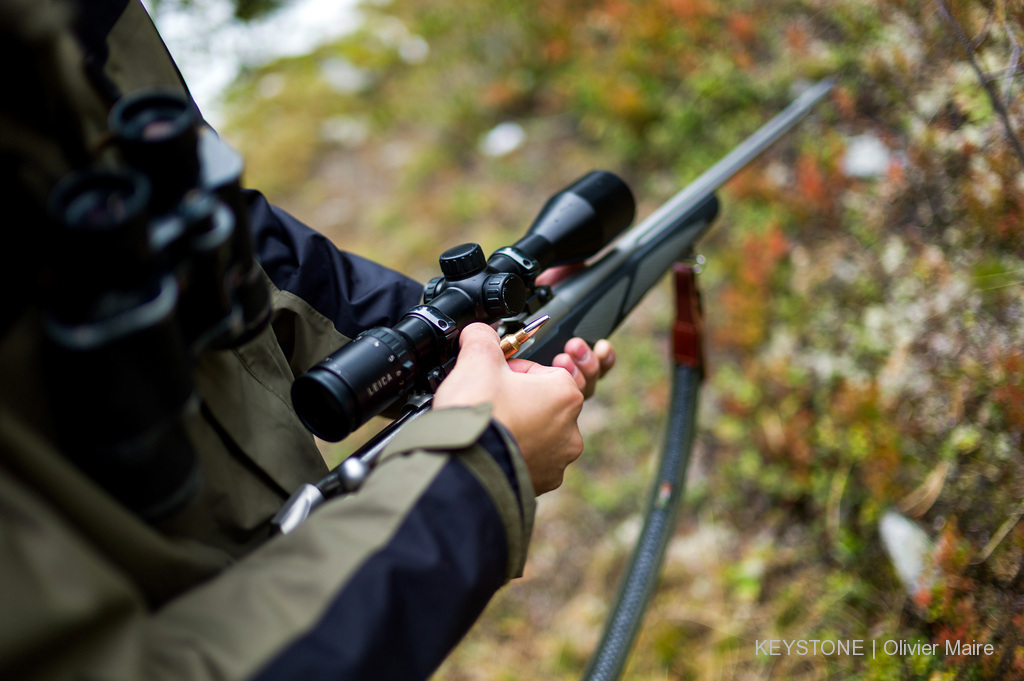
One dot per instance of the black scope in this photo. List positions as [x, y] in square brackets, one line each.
[362, 378]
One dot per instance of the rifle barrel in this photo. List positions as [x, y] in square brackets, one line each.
[752, 147]
[592, 303]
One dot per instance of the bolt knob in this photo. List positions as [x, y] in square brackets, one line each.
[463, 261]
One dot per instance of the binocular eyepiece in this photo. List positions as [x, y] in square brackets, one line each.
[359, 380]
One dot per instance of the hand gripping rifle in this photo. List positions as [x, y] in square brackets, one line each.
[407, 361]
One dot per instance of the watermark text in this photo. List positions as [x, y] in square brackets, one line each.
[862, 647]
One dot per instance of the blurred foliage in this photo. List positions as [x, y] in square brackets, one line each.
[866, 334]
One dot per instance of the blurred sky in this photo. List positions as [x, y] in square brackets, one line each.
[211, 46]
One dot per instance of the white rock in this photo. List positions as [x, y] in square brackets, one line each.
[502, 139]
[866, 156]
[909, 549]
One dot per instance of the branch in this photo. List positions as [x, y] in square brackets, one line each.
[1008, 72]
[1014, 64]
[997, 102]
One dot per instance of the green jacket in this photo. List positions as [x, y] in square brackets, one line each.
[380, 584]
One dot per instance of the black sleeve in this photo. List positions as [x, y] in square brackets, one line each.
[352, 292]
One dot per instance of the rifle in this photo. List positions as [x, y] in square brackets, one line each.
[409, 360]
[581, 222]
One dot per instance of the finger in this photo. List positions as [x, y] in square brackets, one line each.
[525, 366]
[564, 361]
[586, 360]
[553, 275]
[478, 333]
[521, 366]
[605, 356]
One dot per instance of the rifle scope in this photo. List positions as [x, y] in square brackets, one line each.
[360, 379]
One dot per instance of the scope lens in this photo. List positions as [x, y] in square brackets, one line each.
[580, 220]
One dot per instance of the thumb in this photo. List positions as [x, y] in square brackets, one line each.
[479, 339]
[476, 376]
[479, 346]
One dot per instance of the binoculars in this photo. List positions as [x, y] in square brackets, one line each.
[152, 264]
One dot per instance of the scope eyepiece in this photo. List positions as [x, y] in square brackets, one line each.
[354, 384]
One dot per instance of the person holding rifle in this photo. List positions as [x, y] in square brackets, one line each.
[157, 314]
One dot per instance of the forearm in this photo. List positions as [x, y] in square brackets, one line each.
[405, 564]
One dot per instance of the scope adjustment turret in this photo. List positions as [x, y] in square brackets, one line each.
[463, 261]
[504, 295]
